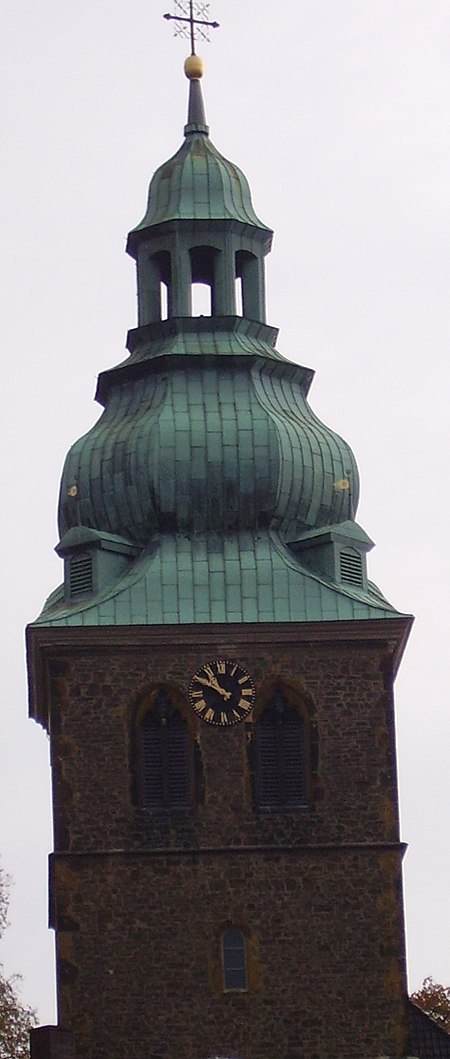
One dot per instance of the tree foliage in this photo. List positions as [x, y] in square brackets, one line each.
[16, 1019]
[434, 999]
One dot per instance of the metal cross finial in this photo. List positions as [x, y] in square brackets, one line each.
[191, 19]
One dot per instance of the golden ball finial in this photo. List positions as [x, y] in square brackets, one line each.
[193, 67]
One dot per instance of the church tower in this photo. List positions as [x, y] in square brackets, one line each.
[216, 677]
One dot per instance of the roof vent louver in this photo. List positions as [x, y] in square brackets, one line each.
[93, 561]
[81, 580]
[351, 568]
[336, 552]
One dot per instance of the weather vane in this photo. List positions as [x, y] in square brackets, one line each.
[191, 20]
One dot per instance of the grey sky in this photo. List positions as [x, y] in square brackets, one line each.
[338, 113]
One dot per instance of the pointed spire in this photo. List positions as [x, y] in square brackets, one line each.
[196, 122]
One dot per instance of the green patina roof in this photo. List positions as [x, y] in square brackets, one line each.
[239, 578]
[194, 337]
[195, 446]
[198, 337]
[207, 458]
[198, 183]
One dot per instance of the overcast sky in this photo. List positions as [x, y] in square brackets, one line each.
[338, 111]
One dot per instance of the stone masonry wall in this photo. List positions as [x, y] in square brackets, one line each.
[95, 698]
[139, 900]
[140, 972]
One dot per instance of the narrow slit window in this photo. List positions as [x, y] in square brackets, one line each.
[234, 960]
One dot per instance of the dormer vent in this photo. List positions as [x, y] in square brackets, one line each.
[351, 568]
[81, 575]
[93, 561]
[336, 552]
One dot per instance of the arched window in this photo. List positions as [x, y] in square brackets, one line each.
[201, 295]
[280, 757]
[234, 960]
[238, 296]
[203, 268]
[155, 287]
[249, 295]
[165, 757]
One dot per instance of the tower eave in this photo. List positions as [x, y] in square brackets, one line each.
[147, 232]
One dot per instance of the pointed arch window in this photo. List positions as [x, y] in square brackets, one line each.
[165, 757]
[234, 960]
[280, 756]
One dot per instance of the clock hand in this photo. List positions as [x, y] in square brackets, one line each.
[214, 684]
[225, 694]
[207, 683]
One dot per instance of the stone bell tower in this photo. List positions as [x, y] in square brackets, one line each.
[216, 677]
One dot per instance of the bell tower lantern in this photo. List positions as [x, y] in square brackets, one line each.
[199, 227]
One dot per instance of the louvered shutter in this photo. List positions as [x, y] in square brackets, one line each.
[292, 759]
[268, 773]
[178, 771]
[152, 762]
[351, 568]
[280, 757]
[165, 758]
[81, 575]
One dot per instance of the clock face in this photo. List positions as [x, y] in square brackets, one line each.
[222, 692]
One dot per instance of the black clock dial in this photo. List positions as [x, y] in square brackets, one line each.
[222, 692]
